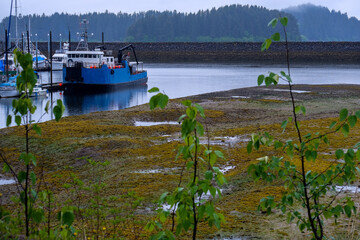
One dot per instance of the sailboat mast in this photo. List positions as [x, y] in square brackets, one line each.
[16, 21]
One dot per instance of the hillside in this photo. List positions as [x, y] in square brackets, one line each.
[229, 23]
[317, 23]
[233, 23]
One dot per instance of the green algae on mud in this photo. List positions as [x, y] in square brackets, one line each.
[142, 159]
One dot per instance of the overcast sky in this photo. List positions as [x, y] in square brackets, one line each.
[352, 7]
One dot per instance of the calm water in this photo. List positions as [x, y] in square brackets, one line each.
[181, 80]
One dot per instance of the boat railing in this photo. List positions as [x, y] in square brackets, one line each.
[139, 66]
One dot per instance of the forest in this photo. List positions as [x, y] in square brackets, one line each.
[318, 23]
[233, 23]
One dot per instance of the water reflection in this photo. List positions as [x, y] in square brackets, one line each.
[181, 80]
[105, 101]
[76, 103]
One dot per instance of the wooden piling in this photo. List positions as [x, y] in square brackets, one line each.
[28, 41]
[51, 73]
[6, 56]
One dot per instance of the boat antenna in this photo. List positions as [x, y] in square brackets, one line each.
[83, 43]
[8, 32]
[16, 21]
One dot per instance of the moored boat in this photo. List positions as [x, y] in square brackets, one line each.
[58, 59]
[94, 69]
[8, 87]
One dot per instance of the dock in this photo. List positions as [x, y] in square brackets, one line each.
[53, 87]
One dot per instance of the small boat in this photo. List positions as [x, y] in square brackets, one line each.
[95, 69]
[11, 65]
[8, 88]
[58, 59]
[38, 91]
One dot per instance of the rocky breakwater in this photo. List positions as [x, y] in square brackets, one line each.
[237, 52]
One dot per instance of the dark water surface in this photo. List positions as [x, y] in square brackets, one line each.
[181, 80]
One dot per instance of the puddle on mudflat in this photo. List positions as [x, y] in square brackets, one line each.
[204, 198]
[241, 97]
[352, 189]
[6, 181]
[287, 90]
[226, 141]
[159, 170]
[147, 124]
[223, 170]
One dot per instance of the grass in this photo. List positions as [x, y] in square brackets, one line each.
[111, 136]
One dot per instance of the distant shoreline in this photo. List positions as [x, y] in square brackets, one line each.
[235, 52]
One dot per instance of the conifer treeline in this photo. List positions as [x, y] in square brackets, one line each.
[228, 23]
[318, 23]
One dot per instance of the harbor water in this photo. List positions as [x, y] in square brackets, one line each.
[180, 80]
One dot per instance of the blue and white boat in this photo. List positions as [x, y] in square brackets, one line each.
[8, 87]
[95, 69]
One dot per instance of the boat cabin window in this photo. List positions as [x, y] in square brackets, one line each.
[77, 55]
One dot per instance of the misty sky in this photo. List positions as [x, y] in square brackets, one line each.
[352, 7]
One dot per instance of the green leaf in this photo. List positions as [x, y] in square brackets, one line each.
[163, 101]
[347, 210]
[268, 81]
[186, 103]
[284, 124]
[209, 175]
[326, 140]
[18, 120]
[219, 154]
[352, 120]
[260, 79]
[58, 110]
[343, 114]
[339, 153]
[153, 90]
[273, 22]
[302, 227]
[357, 114]
[266, 44]
[21, 176]
[276, 37]
[249, 147]
[303, 110]
[32, 158]
[163, 197]
[47, 106]
[200, 110]
[297, 109]
[6, 167]
[284, 21]
[8, 120]
[33, 178]
[345, 130]
[37, 129]
[276, 79]
[212, 159]
[332, 124]
[37, 215]
[67, 218]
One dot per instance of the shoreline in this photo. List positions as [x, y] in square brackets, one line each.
[235, 52]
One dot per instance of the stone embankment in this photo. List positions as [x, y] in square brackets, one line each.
[236, 52]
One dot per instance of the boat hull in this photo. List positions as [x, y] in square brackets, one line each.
[101, 78]
[8, 92]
